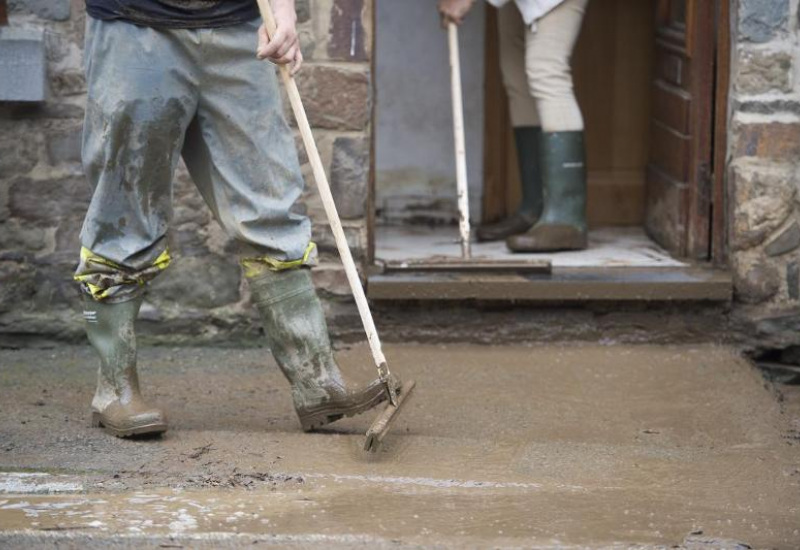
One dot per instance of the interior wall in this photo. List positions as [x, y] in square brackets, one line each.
[414, 162]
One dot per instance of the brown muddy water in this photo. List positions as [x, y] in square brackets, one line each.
[547, 446]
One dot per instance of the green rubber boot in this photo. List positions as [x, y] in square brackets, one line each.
[527, 141]
[562, 225]
[297, 334]
[118, 405]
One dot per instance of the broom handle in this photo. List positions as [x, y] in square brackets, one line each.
[458, 133]
[330, 206]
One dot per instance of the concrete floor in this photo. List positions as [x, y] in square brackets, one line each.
[576, 446]
[608, 247]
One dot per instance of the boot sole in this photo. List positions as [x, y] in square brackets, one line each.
[484, 237]
[566, 243]
[148, 429]
[329, 415]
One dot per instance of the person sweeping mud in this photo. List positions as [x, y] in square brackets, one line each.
[171, 78]
[537, 38]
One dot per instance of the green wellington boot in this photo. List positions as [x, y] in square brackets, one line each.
[562, 225]
[527, 142]
[118, 405]
[297, 334]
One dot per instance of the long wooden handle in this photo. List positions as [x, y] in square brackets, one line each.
[458, 133]
[327, 201]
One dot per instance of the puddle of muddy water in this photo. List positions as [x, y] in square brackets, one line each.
[37, 483]
[391, 509]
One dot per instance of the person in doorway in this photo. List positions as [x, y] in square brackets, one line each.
[182, 77]
[537, 38]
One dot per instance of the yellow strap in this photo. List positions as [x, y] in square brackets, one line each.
[98, 293]
[253, 267]
[163, 261]
[89, 256]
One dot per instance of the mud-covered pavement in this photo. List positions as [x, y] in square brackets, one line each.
[550, 446]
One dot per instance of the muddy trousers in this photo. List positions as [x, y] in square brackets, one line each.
[535, 65]
[156, 95]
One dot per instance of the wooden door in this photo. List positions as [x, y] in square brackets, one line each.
[679, 174]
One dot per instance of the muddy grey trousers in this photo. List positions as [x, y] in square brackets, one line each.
[154, 95]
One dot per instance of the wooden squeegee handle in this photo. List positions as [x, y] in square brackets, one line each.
[459, 139]
[327, 201]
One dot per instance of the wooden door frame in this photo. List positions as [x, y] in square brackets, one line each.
[722, 212]
[698, 210]
[708, 163]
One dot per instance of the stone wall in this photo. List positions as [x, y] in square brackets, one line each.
[43, 194]
[764, 170]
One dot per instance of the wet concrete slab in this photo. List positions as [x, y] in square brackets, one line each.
[548, 446]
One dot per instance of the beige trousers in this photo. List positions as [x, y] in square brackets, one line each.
[535, 64]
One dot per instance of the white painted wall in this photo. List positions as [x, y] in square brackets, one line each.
[414, 142]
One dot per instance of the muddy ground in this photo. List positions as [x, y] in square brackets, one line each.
[548, 446]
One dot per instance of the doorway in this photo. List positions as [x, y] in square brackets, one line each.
[650, 86]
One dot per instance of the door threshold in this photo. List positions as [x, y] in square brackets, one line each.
[465, 265]
[580, 284]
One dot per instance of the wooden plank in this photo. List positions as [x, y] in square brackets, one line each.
[701, 29]
[455, 265]
[721, 209]
[616, 197]
[671, 107]
[666, 214]
[564, 285]
[671, 67]
[674, 19]
[612, 67]
[670, 152]
[497, 126]
[634, 58]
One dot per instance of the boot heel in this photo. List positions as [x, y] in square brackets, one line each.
[96, 420]
[311, 423]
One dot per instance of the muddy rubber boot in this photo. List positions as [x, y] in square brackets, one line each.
[562, 225]
[118, 405]
[527, 142]
[297, 334]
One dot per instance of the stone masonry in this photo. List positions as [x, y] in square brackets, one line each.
[202, 297]
[764, 170]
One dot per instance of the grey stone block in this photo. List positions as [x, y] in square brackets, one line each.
[793, 280]
[349, 174]
[758, 284]
[760, 20]
[22, 64]
[761, 72]
[57, 10]
[200, 282]
[303, 10]
[64, 147]
[788, 240]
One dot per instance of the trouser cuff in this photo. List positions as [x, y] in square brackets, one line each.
[107, 281]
